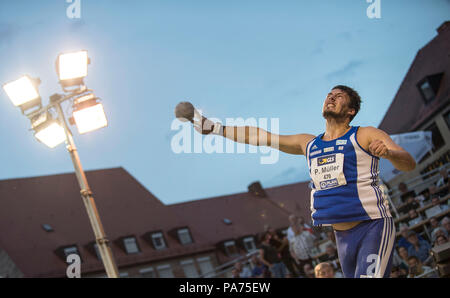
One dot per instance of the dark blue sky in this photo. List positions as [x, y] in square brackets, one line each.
[271, 59]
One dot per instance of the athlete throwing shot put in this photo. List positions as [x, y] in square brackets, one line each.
[343, 165]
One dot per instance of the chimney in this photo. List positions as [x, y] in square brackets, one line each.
[256, 189]
[444, 27]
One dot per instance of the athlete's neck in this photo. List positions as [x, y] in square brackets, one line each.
[335, 129]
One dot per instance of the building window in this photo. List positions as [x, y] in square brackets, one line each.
[147, 272]
[158, 241]
[249, 244]
[427, 92]
[130, 245]
[165, 271]
[189, 268]
[70, 250]
[429, 87]
[206, 267]
[230, 248]
[438, 140]
[184, 236]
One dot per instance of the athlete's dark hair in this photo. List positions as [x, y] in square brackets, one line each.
[355, 100]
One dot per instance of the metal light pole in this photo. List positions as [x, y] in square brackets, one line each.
[23, 92]
[88, 200]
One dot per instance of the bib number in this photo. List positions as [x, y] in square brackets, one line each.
[328, 171]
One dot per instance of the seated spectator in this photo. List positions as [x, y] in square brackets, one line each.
[400, 261]
[416, 268]
[437, 207]
[411, 203]
[397, 272]
[440, 240]
[324, 270]
[414, 218]
[445, 223]
[403, 254]
[258, 267]
[438, 232]
[234, 273]
[243, 271]
[332, 257]
[308, 271]
[442, 185]
[403, 240]
[331, 236]
[405, 192]
[419, 248]
[434, 223]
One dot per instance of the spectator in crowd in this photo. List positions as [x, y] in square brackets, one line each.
[411, 203]
[442, 185]
[308, 271]
[243, 271]
[419, 248]
[414, 218]
[403, 254]
[416, 268]
[331, 257]
[269, 257]
[438, 232]
[301, 246]
[234, 273]
[306, 226]
[405, 192]
[397, 272]
[441, 239]
[445, 223]
[258, 267]
[324, 270]
[434, 223]
[401, 262]
[293, 221]
[331, 236]
[403, 241]
[281, 243]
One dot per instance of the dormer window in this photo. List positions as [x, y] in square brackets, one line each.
[131, 246]
[184, 236]
[230, 248]
[158, 241]
[249, 244]
[429, 87]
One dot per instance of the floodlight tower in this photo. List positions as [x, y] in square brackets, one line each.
[50, 127]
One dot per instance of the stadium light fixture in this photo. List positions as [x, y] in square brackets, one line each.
[23, 92]
[88, 114]
[72, 68]
[48, 130]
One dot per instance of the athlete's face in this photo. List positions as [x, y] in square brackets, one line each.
[336, 105]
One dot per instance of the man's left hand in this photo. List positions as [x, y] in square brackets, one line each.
[379, 149]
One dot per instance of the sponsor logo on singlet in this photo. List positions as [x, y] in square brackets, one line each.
[324, 160]
[329, 183]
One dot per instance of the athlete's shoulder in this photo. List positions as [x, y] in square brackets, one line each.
[370, 132]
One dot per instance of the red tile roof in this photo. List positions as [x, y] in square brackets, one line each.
[126, 208]
[408, 110]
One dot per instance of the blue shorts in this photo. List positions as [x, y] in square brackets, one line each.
[366, 249]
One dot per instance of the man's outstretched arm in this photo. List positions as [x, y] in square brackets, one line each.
[292, 144]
